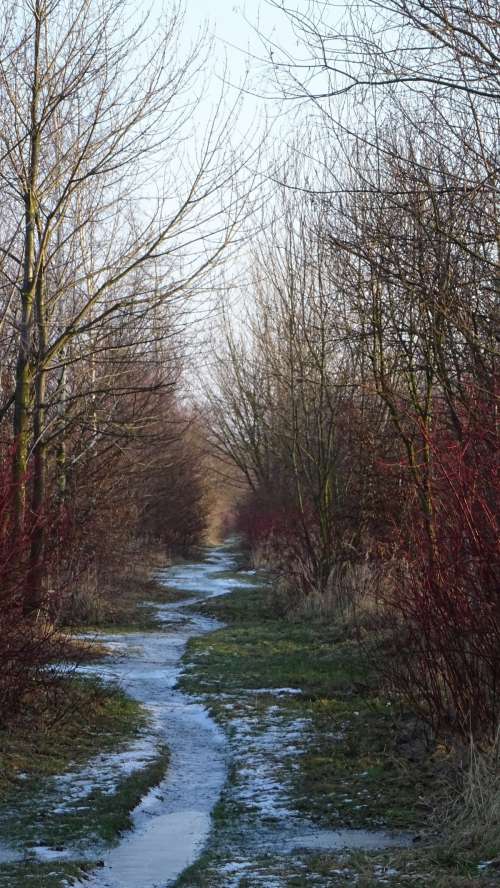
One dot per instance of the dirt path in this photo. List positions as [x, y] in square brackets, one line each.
[225, 813]
[172, 822]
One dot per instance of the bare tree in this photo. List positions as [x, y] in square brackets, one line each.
[387, 43]
[111, 207]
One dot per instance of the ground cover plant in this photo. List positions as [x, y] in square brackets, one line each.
[36, 763]
[362, 761]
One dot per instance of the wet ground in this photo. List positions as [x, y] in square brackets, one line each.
[172, 823]
[257, 837]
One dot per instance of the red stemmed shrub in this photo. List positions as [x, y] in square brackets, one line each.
[27, 643]
[283, 536]
[448, 595]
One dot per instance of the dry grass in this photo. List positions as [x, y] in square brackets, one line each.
[353, 594]
[262, 556]
[110, 595]
[474, 815]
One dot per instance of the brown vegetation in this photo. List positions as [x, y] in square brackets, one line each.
[104, 238]
[362, 405]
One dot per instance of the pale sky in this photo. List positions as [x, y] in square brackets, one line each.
[241, 32]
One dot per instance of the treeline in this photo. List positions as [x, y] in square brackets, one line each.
[116, 208]
[360, 402]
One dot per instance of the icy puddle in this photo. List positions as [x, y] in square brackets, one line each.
[265, 841]
[172, 824]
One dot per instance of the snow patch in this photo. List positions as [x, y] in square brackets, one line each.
[104, 773]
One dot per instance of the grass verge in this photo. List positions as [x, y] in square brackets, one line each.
[364, 763]
[131, 609]
[44, 745]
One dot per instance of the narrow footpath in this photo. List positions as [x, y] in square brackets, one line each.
[278, 772]
[172, 823]
[245, 767]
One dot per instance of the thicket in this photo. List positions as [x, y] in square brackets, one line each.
[361, 402]
[105, 236]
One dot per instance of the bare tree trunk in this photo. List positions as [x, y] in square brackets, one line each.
[37, 580]
[24, 368]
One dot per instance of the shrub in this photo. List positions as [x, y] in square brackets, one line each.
[27, 643]
[448, 595]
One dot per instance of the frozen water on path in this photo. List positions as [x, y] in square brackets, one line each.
[8, 854]
[263, 839]
[352, 839]
[172, 822]
[264, 744]
[207, 582]
[104, 772]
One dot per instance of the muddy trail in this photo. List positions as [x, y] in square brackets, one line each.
[179, 835]
[172, 822]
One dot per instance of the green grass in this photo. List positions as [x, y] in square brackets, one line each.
[29, 817]
[258, 650]
[364, 763]
[99, 718]
[71, 720]
[105, 817]
[30, 874]
[339, 695]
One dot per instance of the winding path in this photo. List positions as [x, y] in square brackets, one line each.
[172, 822]
[268, 839]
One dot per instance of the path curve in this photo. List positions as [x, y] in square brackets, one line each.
[171, 824]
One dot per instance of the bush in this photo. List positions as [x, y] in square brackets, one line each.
[354, 591]
[448, 595]
[27, 643]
